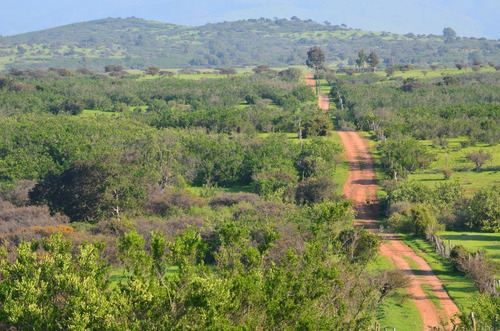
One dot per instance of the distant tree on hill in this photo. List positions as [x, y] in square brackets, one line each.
[451, 80]
[315, 58]
[390, 71]
[476, 68]
[153, 70]
[227, 71]
[112, 68]
[434, 67]
[84, 71]
[373, 60]
[477, 62]
[260, 69]
[461, 66]
[361, 60]
[449, 35]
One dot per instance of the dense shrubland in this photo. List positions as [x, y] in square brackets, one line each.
[221, 105]
[436, 110]
[131, 222]
[137, 43]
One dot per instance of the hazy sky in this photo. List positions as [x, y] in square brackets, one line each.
[476, 18]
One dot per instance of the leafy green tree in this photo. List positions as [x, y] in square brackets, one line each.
[315, 58]
[152, 70]
[390, 71]
[319, 125]
[402, 155]
[483, 210]
[422, 219]
[449, 35]
[479, 158]
[315, 190]
[79, 192]
[373, 60]
[486, 309]
[57, 290]
[88, 191]
[361, 60]
[228, 71]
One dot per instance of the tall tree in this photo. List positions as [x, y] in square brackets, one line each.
[449, 35]
[315, 60]
[361, 60]
[373, 60]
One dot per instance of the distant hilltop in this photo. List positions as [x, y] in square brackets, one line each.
[138, 43]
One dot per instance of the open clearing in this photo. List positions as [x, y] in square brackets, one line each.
[475, 241]
[453, 157]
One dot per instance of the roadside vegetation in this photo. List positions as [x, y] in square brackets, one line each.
[437, 145]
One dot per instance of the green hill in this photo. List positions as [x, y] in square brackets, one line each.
[137, 43]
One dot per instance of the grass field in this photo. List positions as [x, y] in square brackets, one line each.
[460, 288]
[94, 112]
[463, 170]
[397, 310]
[475, 241]
[452, 158]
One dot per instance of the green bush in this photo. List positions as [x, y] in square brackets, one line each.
[319, 125]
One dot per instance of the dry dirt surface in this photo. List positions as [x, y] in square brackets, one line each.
[323, 100]
[361, 187]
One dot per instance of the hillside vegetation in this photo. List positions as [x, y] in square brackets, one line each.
[138, 43]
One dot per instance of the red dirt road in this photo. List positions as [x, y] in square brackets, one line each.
[323, 100]
[360, 188]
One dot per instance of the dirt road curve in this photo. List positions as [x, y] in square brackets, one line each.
[361, 187]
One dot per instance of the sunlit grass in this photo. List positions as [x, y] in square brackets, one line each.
[460, 288]
[475, 241]
[454, 158]
[95, 112]
[397, 310]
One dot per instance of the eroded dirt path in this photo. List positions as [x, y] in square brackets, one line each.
[361, 187]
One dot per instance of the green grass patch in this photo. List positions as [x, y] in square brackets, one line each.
[342, 174]
[460, 288]
[453, 157]
[413, 265]
[396, 310]
[431, 295]
[475, 241]
[94, 112]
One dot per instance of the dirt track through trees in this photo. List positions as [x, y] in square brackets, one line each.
[361, 188]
